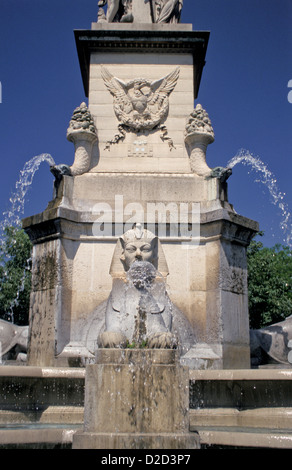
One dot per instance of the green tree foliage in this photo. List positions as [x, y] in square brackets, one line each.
[269, 284]
[15, 275]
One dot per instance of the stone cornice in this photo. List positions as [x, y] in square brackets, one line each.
[121, 41]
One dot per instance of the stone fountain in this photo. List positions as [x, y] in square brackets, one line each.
[140, 157]
[139, 303]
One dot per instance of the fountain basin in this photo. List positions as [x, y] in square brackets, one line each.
[40, 408]
[44, 407]
[41, 396]
[36, 437]
[242, 408]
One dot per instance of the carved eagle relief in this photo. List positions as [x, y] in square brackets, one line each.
[140, 104]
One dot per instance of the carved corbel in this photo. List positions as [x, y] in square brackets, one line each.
[198, 135]
[82, 133]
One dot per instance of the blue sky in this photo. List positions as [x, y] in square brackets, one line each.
[244, 88]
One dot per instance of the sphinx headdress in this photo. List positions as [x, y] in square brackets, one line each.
[137, 232]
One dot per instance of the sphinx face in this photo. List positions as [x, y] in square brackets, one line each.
[138, 250]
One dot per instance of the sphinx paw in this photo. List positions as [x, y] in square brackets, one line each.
[164, 340]
[112, 339]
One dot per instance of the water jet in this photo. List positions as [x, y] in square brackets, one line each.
[266, 177]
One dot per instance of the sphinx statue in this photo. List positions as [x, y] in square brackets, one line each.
[272, 344]
[138, 311]
[13, 340]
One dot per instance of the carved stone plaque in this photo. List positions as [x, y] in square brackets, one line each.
[140, 148]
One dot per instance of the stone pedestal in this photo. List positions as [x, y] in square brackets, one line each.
[136, 399]
[72, 257]
[151, 176]
[148, 52]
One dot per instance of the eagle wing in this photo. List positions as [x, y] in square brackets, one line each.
[118, 89]
[163, 87]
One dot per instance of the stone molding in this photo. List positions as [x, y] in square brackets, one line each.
[71, 224]
[121, 41]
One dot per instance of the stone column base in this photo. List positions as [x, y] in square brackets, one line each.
[90, 440]
[136, 399]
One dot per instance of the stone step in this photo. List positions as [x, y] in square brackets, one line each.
[37, 437]
[230, 427]
[263, 418]
[37, 415]
[52, 437]
[244, 438]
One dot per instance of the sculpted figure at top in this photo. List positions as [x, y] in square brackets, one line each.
[118, 11]
[168, 11]
[161, 11]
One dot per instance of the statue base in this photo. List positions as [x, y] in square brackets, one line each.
[136, 399]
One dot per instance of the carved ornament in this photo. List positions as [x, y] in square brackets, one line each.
[140, 105]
